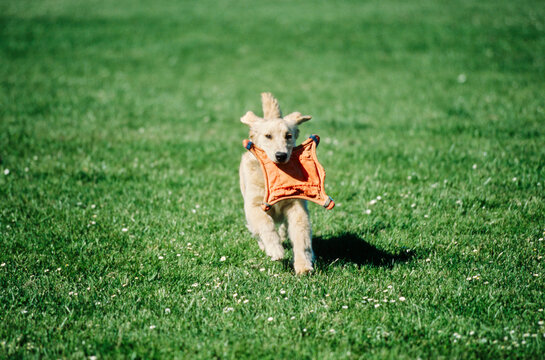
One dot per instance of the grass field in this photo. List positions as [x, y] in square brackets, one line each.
[122, 232]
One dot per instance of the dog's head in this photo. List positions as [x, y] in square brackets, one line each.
[275, 134]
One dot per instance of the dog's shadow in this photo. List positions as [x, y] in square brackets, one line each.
[351, 248]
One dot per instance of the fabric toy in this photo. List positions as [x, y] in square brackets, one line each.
[302, 177]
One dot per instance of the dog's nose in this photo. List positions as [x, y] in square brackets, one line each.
[281, 156]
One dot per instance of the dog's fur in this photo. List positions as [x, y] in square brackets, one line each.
[276, 135]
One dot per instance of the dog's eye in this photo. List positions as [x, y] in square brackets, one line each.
[268, 136]
[288, 136]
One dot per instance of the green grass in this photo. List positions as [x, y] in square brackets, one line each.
[125, 115]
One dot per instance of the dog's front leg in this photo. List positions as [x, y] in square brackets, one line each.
[262, 225]
[300, 233]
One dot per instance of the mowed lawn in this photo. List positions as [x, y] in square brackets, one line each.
[122, 233]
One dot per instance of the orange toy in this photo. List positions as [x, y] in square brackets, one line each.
[302, 177]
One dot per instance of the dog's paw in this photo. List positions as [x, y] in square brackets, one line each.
[303, 268]
[276, 253]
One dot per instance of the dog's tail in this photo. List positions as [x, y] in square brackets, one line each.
[271, 109]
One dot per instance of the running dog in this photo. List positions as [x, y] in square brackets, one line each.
[276, 135]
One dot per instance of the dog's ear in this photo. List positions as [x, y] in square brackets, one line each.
[250, 118]
[296, 118]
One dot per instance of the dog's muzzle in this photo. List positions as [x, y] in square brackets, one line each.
[281, 156]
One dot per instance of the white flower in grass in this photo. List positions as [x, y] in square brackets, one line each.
[514, 179]
[292, 318]
[413, 205]
[160, 257]
[540, 322]
[6, 172]
[270, 318]
[228, 309]
[368, 211]
[124, 229]
[402, 298]
[345, 306]
[167, 311]
[246, 301]
[332, 331]
[377, 305]
[195, 284]
[462, 78]
[152, 327]
[379, 197]
[223, 258]
[282, 291]
[373, 202]
[3, 264]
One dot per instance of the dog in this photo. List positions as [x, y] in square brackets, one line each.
[277, 136]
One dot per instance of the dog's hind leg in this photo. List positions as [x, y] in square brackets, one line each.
[283, 232]
[262, 225]
[301, 237]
